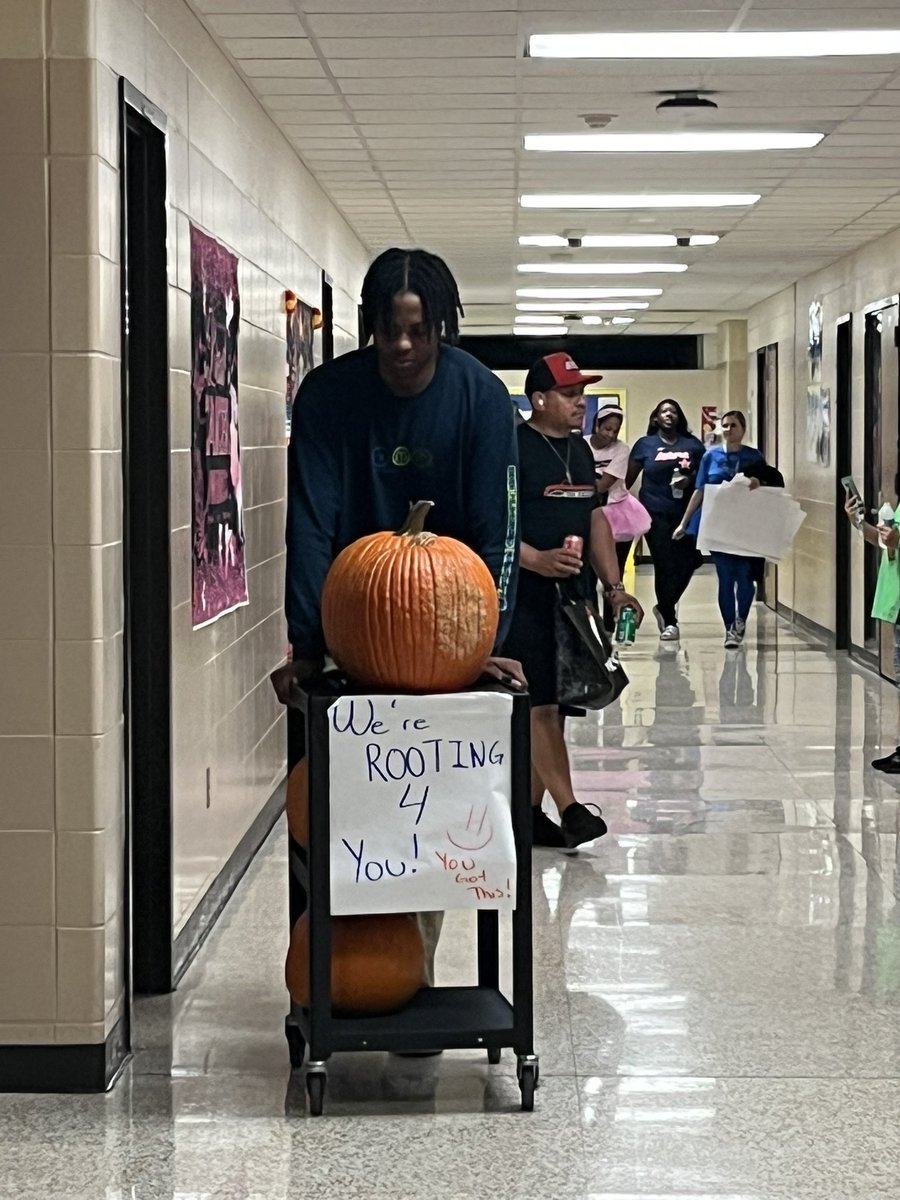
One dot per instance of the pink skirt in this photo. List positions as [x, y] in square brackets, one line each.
[628, 519]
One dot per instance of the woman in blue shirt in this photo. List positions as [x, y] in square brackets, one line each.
[720, 464]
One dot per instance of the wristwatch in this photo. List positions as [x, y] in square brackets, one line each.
[613, 587]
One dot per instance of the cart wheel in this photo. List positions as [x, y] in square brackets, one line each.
[315, 1088]
[296, 1043]
[494, 1055]
[527, 1081]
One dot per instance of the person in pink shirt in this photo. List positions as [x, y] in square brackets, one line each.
[627, 517]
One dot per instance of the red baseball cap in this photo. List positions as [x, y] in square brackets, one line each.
[555, 370]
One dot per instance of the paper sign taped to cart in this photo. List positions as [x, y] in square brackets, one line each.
[420, 803]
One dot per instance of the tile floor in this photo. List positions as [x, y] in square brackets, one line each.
[717, 985]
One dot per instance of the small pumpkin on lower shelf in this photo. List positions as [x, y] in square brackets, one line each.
[296, 804]
[377, 963]
[410, 610]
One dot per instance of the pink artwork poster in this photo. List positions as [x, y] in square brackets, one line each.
[219, 573]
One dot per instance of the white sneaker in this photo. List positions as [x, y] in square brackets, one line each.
[732, 640]
[669, 634]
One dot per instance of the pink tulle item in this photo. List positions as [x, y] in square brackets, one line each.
[628, 519]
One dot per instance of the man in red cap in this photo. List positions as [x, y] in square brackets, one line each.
[557, 501]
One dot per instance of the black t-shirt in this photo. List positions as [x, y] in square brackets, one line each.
[658, 459]
[552, 506]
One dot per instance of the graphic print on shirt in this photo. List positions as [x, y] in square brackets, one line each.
[509, 546]
[401, 456]
[570, 491]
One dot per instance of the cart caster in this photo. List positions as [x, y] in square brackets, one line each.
[296, 1043]
[494, 1056]
[315, 1089]
[528, 1073]
[527, 1083]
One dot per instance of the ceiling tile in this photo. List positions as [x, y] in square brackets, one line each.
[258, 25]
[297, 47]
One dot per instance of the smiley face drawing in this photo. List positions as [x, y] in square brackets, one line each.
[477, 829]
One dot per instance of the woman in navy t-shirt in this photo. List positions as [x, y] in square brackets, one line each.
[720, 465]
[668, 457]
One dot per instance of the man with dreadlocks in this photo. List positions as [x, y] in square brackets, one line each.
[411, 417]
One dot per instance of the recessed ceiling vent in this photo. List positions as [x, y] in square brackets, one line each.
[683, 103]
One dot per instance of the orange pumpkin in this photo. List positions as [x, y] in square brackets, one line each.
[377, 963]
[410, 610]
[296, 804]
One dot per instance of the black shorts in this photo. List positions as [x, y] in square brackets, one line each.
[532, 640]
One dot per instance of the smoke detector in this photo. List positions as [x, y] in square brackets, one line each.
[597, 120]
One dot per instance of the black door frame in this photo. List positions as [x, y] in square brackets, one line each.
[868, 653]
[146, 453]
[843, 460]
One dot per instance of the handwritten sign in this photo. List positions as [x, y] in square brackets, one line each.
[420, 808]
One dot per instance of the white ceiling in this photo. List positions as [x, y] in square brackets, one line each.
[411, 114]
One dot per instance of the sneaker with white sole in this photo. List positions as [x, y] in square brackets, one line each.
[732, 641]
[669, 634]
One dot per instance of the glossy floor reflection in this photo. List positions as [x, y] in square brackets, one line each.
[717, 985]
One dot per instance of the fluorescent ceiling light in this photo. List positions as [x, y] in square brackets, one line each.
[806, 43]
[623, 320]
[584, 293]
[584, 306]
[594, 320]
[540, 330]
[639, 200]
[537, 319]
[617, 241]
[668, 143]
[589, 268]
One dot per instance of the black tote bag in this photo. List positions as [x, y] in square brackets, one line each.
[588, 671]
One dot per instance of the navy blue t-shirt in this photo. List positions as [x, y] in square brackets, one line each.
[359, 455]
[658, 460]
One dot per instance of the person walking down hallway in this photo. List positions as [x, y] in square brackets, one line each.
[886, 604]
[558, 501]
[411, 417]
[668, 457]
[720, 464]
[626, 516]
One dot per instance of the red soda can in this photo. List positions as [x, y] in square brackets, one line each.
[574, 543]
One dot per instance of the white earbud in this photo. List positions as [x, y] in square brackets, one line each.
[540, 404]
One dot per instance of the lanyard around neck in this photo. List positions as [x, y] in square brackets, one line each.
[564, 461]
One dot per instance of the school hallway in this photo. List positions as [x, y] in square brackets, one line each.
[717, 984]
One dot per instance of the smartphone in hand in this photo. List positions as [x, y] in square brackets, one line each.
[852, 493]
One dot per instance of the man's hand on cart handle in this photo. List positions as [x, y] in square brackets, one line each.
[286, 680]
[507, 670]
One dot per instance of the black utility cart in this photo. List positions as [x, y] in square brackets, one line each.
[437, 1018]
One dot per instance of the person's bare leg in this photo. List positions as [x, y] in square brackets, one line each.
[551, 762]
[537, 788]
[550, 757]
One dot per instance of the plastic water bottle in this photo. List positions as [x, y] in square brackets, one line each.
[626, 627]
[886, 517]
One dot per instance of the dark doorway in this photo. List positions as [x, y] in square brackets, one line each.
[767, 405]
[327, 318]
[843, 459]
[145, 465]
[882, 395]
